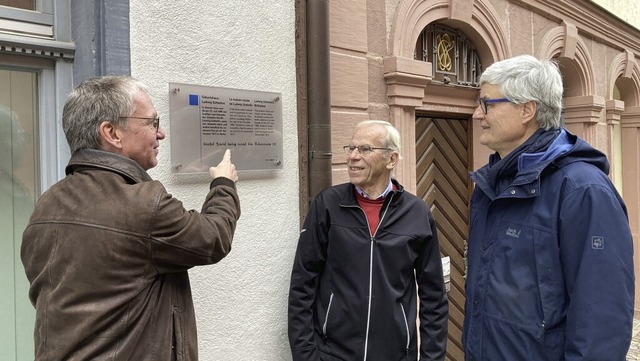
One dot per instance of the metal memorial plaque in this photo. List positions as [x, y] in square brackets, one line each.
[205, 121]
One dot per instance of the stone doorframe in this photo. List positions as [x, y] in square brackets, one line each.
[630, 123]
[627, 113]
[624, 113]
[408, 80]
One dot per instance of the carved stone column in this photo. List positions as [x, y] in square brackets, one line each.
[406, 80]
[630, 123]
[615, 108]
[581, 115]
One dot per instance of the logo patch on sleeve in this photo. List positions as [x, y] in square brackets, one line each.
[597, 242]
[515, 233]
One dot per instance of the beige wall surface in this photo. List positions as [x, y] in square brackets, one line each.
[240, 302]
[627, 10]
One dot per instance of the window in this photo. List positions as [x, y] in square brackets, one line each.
[22, 4]
[36, 74]
[452, 55]
[18, 191]
[31, 18]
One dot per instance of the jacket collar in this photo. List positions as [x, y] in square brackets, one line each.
[94, 158]
[349, 198]
[566, 148]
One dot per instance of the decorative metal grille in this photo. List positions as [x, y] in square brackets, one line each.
[452, 55]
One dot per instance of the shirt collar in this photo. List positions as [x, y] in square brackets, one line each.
[382, 195]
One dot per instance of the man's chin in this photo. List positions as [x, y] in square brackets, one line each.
[483, 140]
[149, 165]
[355, 180]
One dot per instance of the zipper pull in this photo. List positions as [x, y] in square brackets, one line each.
[541, 332]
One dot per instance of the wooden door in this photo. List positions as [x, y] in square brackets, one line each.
[442, 164]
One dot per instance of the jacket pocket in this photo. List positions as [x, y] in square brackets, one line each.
[406, 329]
[550, 277]
[513, 292]
[177, 347]
[326, 318]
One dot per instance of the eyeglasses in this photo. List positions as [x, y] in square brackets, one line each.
[155, 123]
[362, 149]
[483, 102]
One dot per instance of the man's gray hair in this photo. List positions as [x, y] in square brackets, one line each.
[392, 138]
[96, 100]
[524, 78]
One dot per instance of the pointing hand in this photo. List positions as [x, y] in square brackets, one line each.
[225, 168]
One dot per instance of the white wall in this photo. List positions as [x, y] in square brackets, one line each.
[627, 10]
[241, 302]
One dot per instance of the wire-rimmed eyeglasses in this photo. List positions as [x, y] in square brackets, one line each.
[482, 102]
[362, 149]
[155, 123]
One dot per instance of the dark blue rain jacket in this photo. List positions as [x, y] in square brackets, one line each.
[550, 260]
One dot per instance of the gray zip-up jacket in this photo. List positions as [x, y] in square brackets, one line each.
[107, 251]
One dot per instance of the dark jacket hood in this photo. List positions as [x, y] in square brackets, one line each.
[564, 149]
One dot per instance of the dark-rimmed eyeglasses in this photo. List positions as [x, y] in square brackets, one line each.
[155, 123]
[482, 102]
[362, 149]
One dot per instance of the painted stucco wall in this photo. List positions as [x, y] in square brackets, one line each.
[627, 10]
[241, 302]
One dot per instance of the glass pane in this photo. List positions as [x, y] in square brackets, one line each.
[22, 4]
[452, 54]
[18, 186]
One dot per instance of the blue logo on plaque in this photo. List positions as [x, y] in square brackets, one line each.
[193, 99]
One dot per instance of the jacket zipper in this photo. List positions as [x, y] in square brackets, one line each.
[373, 242]
[406, 325]
[326, 317]
[541, 330]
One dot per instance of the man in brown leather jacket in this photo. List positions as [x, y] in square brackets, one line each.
[107, 248]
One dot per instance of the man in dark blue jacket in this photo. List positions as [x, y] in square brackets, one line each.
[550, 262]
[363, 248]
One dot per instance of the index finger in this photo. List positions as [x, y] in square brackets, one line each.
[227, 155]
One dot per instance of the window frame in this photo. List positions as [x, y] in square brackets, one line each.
[51, 57]
[28, 22]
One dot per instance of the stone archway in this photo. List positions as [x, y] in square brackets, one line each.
[622, 93]
[410, 86]
[582, 108]
[623, 119]
[407, 79]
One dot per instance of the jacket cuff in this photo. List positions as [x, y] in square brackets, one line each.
[222, 181]
[309, 353]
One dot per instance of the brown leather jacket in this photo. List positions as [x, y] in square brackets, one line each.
[107, 251]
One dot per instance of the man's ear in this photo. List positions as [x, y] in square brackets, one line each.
[109, 136]
[529, 110]
[393, 160]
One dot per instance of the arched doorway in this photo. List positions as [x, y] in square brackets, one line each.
[443, 155]
[435, 109]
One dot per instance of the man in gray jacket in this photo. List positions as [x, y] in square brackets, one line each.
[107, 248]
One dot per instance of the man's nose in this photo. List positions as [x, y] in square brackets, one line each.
[478, 113]
[160, 134]
[355, 154]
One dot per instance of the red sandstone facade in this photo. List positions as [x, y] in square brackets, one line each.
[375, 74]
